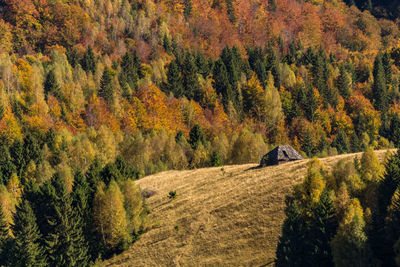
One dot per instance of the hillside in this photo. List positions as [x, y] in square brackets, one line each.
[230, 217]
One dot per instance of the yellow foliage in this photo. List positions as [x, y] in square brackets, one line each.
[314, 183]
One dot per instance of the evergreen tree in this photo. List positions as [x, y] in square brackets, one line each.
[187, 9]
[196, 136]
[387, 66]
[174, 80]
[65, 241]
[221, 83]
[191, 80]
[344, 82]
[27, 250]
[88, 62]
[51, 86]
[381, 242]
[129, 71]
[340, 142]
[231, 11]
[394, 132]
[106, 86]
[355, 145]
[379, 91]
[308, 145]
[4, 237]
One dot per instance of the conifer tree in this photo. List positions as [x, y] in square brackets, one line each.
[196, 136]
[129, 72]
[355, 145]
[187, 9]
[27, 250]
[4, 236]
[344, 82]
[65, 242]
[190, 79]
[387, 66]
[231, 11]
[88, 62]
[221, 83]
[308, 145]
[51, 86]
[106, 86]
[379, 91]
[394, 131]
[174, 80]
[340, 142]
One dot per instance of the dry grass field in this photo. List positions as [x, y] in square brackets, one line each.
[220, 217]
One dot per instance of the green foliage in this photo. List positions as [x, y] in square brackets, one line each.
[172, 194]
[88, 62]
[27, 250]
[106, 86]
[379, 90]
[65, 243]
[196, 136]
[341, 143]
[51, 86]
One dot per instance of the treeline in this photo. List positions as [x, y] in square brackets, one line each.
[346, 217]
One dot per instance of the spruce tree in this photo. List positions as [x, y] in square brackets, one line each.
[221, 83]
[231, 11]
[174, 80]
[190, 80]
[394, 131]
[381, 242]
[196, 136]
[308, 145]
[106, 86]
[88, 62]
[344, 82]
[27, 250]
[379, 90]
[129, 71]
[187, 9]
[4, 237]
[65, 241]
[51, 86]
[340, 142]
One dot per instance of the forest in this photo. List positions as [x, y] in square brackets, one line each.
[347, 217]
[96, 94]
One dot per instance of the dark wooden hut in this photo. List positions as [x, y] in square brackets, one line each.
[279, 155]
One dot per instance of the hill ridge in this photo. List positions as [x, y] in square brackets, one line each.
[221, 216]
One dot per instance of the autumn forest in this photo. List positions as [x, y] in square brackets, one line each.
[96, 94]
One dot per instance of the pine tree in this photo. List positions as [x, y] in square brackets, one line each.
[196, 136]
[27, 250]
[4, 236]
[355, 145]
[231, 11]
[191, 80]
[387, 66]
[129, 71]
[51, 86]
[379, 90]
[88, 62]
[340, 142]
[344, 82]
[174, 80]
[65, 242]
[106, 86]
[221, 83]
[308, 145]
[381, 242]
[187, 9]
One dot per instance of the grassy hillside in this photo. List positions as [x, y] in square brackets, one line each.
[230, 216]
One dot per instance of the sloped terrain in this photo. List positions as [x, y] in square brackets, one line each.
[229, 216]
